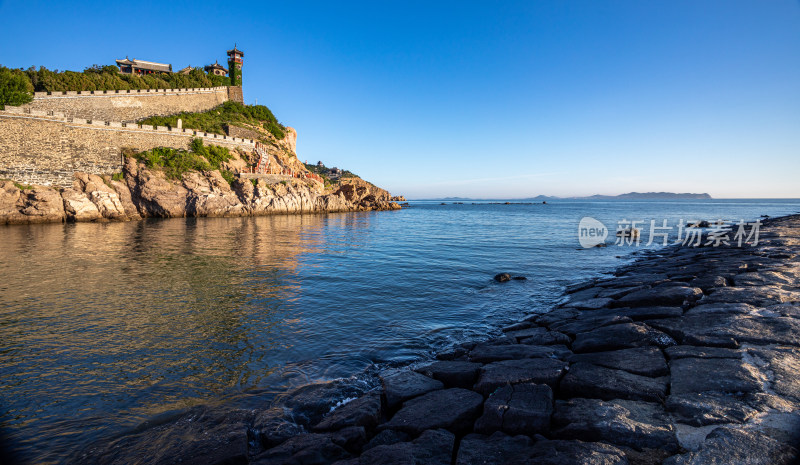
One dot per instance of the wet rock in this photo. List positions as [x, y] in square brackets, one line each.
[201, 435]
[534, 370]
[538, 336]
[273, 427]
[634, 424]
[309, 403]
[500, 449]
[313, 448]
[519, 278]
[403, 385]
[492, 353]
[364, 411]
[645, 361]
[453, 373]
[644, 313]
[621, 336]
[452, 409]
[588, 380]
[387, 437]
[709, 408]
[502, 277]
[517, 409]
[590, 304]
[616, 293]
[351, 438]
[660, 296]
[585, 323]
[497, 449]
[707, 283]
[712, 374]
[730, 445]
[517, 326]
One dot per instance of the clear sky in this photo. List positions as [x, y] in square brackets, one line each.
[483, 99]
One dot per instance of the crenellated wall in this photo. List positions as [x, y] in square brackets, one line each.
[131, 105]
[37, 147]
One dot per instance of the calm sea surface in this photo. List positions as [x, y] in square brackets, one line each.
[104, 325]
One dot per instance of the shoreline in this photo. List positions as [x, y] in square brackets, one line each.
[611, 376]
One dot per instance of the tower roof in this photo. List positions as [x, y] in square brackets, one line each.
[234, 50]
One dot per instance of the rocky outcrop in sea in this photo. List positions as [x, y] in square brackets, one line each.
[687, 356]
[145, 193]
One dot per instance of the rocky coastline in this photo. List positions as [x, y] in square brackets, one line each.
[144, 193]
[686, 356]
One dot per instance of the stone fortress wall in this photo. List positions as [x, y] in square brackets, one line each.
[60, 133]
[46, 149]
[129, 105]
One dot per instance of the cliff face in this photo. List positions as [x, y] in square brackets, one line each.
[146, 193]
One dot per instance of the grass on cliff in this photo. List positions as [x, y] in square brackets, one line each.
[214, 119]
[99, 77]
[325, 173]
[174, 162]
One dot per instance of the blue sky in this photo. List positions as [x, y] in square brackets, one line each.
[483, 99]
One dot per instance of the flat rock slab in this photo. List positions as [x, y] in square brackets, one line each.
[274, 427]
[709, 408]
[588, 380]
[684, 351]
[645, 361]
[517, 409]
[453, 373]
[660, 296]
[534, 370]
[758, 296]
[590, 304]
[433, 447]
[583, 323]
[621, 336]
[364, 411]
[305, 448]
[635, 424]
[539, 336]
[713, 375]
[500, 449]
[493, 353]
[452, 409]
[737, 446]
[403, 385]
[706, 308]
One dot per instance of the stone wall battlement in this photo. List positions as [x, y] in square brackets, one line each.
[138, 92]
[47, 148]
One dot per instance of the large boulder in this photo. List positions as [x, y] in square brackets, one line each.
[452, 409]
[621, 336]
[660, 296]
[405, 384]
[517, 409]
[533, 370]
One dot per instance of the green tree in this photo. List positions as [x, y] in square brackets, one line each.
[15, 87]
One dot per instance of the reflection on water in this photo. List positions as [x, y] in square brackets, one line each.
[104, 325]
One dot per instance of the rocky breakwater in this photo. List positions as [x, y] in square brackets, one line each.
[687, 357]
[146, 193]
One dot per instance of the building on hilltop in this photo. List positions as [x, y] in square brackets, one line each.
[186, 70]
[217, 69]
[141, 67]
[235, 65]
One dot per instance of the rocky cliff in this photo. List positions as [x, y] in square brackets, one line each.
[146, 193]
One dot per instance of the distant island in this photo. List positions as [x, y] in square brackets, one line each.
[634, 196]
[628, 196]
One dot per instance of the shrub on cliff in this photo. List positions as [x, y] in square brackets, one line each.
[15, 89]
[174, 162]
[214, 119]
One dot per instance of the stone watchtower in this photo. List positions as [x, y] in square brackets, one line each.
[235, 66]
[235, 73]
